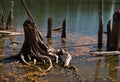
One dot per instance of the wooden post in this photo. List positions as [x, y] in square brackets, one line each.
[10, 17]
[115, 35]
[100, 30]
[2, 22]
[109, 30]
[49, 32]
[64, 29]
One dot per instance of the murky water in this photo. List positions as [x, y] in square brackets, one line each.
[82, 26]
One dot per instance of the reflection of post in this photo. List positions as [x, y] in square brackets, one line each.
[64, 29]
[100, 30]
[63, 43]
[109, 29]
[49, 41]
[2, 42]
[49, 33]
[112, 61]
[97, 70]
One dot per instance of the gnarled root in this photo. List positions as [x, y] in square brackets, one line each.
[34, 50]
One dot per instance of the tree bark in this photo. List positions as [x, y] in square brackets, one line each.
[100, 29]
[115, 34]
[109, 31]
[49, 33]
[64, 29]
[2, 22]
[34, 50]
[10, 17]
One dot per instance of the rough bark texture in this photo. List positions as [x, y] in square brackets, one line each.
[49, 33]
[34, 50]
[115, 35]
[100, 30]
[10, 17]
[2, 22]
[64, 29]
[109, 30]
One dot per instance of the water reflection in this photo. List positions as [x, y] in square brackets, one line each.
[97, 68]
[112, 63]
[81, 17]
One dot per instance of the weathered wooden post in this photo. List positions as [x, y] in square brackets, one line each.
[64, 29]
[2, 22]
[109, 30]
[10, 17]
[115, 35]
[100, 30]
[49, 32]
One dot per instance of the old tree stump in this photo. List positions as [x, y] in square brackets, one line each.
[34, 50]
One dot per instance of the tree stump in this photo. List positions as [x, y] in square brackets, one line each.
[34, 50]
[64, 29]
[49, 33]
[10, 17]
[100, 29]
[115, 34]
[109, 30]
[2, 22]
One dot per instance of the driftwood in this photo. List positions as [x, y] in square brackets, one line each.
[57, 29]
[105, 53]
[8, 33]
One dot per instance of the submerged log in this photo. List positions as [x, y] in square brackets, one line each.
[105, 53]
[34, 50]
[57, 29]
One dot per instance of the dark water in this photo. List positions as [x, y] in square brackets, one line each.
[82, 19]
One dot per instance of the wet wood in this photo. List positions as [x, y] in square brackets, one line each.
[2, 22]
[8, 33]
[109, 31]
[49, 32]
[10, 17]
[64, 29]
[57, 29]
[114, 44]
[105, 53]
[100, 29]
[34, 50]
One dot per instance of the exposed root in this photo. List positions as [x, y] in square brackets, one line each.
[68, 58]
[34, 50]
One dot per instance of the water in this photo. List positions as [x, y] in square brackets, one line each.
[82, 20]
